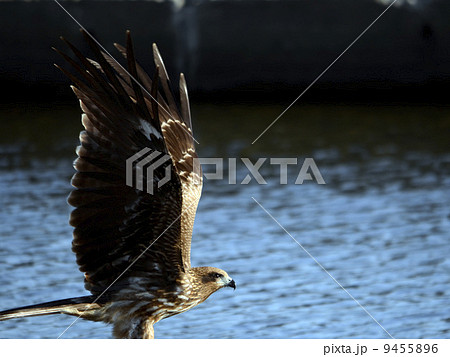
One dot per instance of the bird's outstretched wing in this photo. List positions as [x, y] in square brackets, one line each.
[122, 210]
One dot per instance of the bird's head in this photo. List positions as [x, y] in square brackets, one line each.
[208, 280]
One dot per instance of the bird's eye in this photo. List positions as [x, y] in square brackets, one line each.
[217, 275]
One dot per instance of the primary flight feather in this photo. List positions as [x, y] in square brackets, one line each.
[132, 241]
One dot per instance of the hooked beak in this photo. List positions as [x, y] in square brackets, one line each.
[232, 284]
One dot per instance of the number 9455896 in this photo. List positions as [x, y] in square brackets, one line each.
[410, 348]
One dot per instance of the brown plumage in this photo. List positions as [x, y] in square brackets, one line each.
[133, 246]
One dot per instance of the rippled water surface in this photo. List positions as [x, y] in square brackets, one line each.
[379, 227]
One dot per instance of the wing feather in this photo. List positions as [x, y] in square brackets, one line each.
[184, 99]
[176, 127]
[114, 223]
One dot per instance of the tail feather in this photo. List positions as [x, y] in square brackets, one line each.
[73, 306]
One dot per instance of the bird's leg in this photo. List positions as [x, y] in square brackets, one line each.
[148, 330]
[136, 328]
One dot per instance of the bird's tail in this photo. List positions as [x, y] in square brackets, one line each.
[74, 306]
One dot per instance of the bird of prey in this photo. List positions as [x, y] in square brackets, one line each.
[132, 243]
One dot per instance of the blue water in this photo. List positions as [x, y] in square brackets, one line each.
[379, 226]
